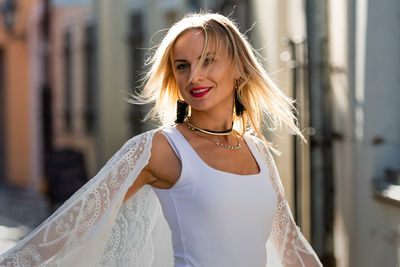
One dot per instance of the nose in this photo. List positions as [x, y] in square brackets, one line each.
[197, 74]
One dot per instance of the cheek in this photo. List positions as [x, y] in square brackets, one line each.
[223, 77]
[181, 81]
[216, 74]
[222, 72]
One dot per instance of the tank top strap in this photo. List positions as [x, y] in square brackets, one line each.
[184, 152]
[178, 143]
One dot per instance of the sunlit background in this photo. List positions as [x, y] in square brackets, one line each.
[67, 67]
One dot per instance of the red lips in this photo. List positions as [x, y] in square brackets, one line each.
[199, 91]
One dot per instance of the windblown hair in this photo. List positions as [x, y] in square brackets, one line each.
[257, 92]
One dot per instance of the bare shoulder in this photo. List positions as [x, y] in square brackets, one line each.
[163, 169]
[161, 150]
[164, 165]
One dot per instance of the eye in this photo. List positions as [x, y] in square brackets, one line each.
[181, 66]
[209, 61]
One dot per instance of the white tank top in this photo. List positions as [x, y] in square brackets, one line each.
[217, 219]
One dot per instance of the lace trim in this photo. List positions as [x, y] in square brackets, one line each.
[93, 229]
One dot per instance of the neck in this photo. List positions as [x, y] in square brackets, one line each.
[214, 122]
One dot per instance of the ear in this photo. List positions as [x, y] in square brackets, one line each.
[236, 74]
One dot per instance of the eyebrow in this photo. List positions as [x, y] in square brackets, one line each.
[184, 60]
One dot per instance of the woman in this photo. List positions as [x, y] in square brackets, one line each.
[218, 188]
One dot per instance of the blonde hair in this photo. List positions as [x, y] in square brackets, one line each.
[256, 91]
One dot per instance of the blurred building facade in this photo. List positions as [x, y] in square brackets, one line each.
[361, 62]
[364, 37]
[97, 52]
[361, 90]
[73, 49]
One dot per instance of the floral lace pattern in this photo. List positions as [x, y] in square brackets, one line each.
[83, 217]
[289, 243]
[94, 228]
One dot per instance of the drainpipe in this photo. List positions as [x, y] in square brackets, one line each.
[321, 139]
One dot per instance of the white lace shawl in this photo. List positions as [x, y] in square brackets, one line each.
[94, 228]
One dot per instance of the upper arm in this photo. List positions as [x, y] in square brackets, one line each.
[164, 164]
[163, 169]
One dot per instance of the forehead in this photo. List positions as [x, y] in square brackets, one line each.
[189, 44]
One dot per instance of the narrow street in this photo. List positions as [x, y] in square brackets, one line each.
[20, 212]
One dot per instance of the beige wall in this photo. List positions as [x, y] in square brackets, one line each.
[112, 77]
[18, 107]
[19, 157]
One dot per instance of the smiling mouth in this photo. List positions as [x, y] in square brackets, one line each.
[199, 91]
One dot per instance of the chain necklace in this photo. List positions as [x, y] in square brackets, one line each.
[229, 146]
[226, 132]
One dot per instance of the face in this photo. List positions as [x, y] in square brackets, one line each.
[211, 87]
